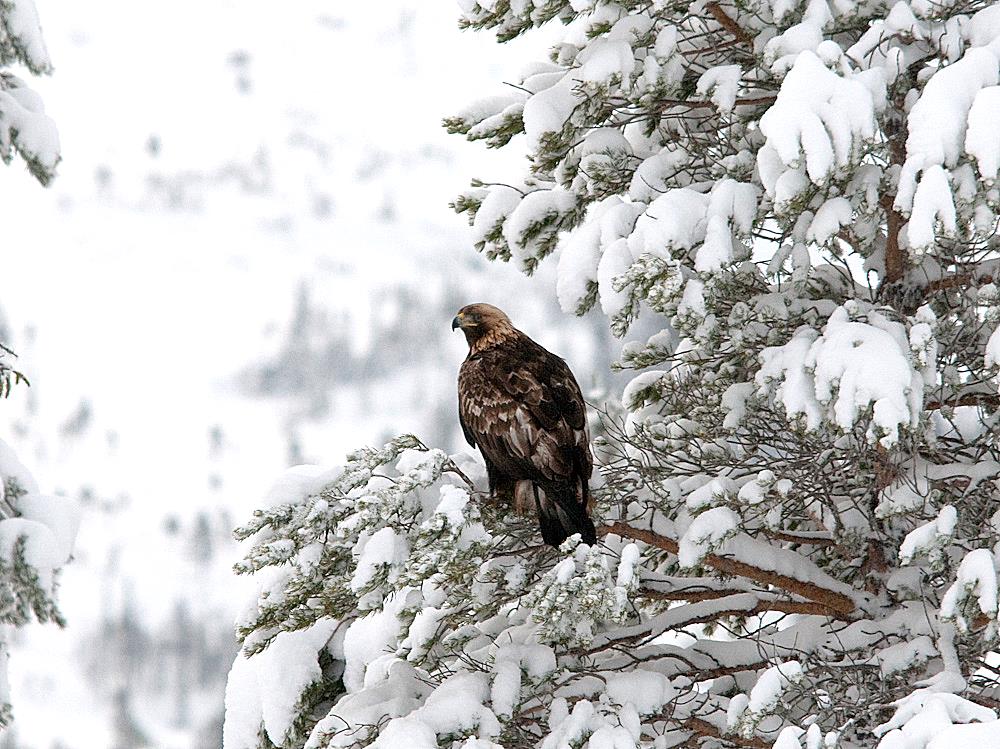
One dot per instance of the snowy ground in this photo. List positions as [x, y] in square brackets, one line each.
[217, 155]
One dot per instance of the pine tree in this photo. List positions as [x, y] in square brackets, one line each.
[36, 531]
[24, 126]
[36, 539]
[801, 499]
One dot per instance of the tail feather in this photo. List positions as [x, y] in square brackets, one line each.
[561, 514]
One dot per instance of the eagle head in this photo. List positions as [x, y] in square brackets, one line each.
[481, 321]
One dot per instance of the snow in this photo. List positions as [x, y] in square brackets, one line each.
[754, 492]
[488, 107]
[734, 713]
[41, 547]
[732, 205]
[991, 357]
[984, 27]
[455, 706]
[819, 117]
[789, 738]
[22, 25]
[980, 137]
[368, 638]
[771, 684]
[831, 216]
[766, 694]
[711, 493]
[569, 729]
[506, 690]
[932, 204]
[626, 565]
[675, 219]
[452, 504]
[60, 515]
[902, 498]
[705, 533]
[924, 538]
[547, 110]
[923, 344]
[851, 368]
[646, 691]
[409, 732]
[532, 209]
[977, 577]
[651, 176]
[243, 706]
[605, 58]
[920, 719]
[537, 661]
[580, 254]
[24, 124]
[905, 655]
[795, 389]
[385, 548]
[639, 383]
[495, 208]
[265, 689]
[967, 736]
[734, 401]
[614, 262]
[722, 82]
[693, 299]
[937, 125]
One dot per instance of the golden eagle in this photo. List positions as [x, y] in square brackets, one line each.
[522, 407]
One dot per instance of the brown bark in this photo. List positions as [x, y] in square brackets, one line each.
[895, 257]
[836, 603]
[704, 728]
[797, 539]
[729, 24]
[970, 399]
[763, 605]
[957, 281]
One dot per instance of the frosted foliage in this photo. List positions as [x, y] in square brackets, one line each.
[263, 692]
[399, 542]
[854, 368]
[37, 536]
[938, 122]
[820, 120]
[706, 532]
[789, 210]
[722, 82]
[24, 126]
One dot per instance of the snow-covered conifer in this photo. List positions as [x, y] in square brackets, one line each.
[801, 504]
[25, 129]
[37, 532]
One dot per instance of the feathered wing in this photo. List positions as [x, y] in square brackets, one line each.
[523, 408]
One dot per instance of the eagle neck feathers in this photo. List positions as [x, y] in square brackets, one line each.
[498, 335]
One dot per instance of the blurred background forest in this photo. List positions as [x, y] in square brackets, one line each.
[246, 262]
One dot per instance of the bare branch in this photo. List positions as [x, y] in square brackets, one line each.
[728, 23]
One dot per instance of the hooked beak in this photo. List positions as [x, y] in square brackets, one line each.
[456, 322]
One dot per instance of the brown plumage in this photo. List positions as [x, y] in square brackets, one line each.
[523, 408]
